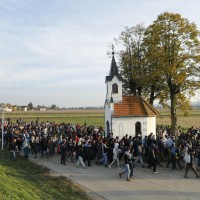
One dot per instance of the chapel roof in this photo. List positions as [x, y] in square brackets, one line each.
[134, 106]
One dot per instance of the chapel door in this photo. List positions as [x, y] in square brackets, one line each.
[137, 128]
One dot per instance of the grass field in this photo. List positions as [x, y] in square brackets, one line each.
[193, 118]
[95, 117]
[22, 180]
[90, 117]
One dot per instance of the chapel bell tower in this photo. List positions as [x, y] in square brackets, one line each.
[113, 83]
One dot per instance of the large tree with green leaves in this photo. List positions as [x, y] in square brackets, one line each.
[131, 59]
[173, 48]
[140, 77]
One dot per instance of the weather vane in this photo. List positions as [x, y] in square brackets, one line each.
[113, 51]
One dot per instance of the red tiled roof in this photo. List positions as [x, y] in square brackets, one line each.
[134, 106]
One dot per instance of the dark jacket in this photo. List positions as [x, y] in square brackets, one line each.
[63, 149]
[79, 151]
[151, 155]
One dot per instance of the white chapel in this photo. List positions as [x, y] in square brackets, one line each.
[129, 115]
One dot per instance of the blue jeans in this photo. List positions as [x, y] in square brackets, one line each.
[139, 157]
[126, 171]
[131, 169]
[26, 152]
[104, 159]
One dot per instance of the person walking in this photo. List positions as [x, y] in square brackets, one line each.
[115, 156]
[26, 149]
[151, 159]
[126, 170]
[63, 152]
[140, 154]
[191, 163]
[175, 155]
[88, 152]
[35, 148]
[12, 148]
[104, 158]
[131, 161]
[80, 155]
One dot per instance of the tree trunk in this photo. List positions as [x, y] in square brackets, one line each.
[151, 99]
[173, 112]
[139, 90]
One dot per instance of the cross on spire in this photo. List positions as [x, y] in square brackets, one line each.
[113, 51]
[113, 68]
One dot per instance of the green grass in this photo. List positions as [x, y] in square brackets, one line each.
[90, 117]
[96, 117]
[184, 121]
[24, 180]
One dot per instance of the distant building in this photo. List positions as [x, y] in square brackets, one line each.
[129, 115]
[6, 109]
[15, 108]
[24, 108]
[42, 109]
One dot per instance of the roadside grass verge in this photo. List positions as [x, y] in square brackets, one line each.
[24, 180]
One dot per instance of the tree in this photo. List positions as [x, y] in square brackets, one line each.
[53, 107]
[153, 87]
[30, 106]
[140, 77]
[131, 59]
[172, 41]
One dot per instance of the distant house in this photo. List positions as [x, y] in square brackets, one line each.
[7, 109]
[42, 109]
[23, 108]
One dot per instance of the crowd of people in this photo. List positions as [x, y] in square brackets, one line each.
[88, 145]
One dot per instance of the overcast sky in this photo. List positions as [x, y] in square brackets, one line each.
[55, 51]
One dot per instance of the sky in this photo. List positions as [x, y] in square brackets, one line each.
[55, 51]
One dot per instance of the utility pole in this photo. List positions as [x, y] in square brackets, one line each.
[198, 99]
[2, 130]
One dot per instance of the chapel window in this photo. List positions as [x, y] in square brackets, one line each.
[114, 88]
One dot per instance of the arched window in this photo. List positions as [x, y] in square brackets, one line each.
[137, 128]
[114, 88]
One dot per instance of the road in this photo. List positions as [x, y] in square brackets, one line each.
[103, 183]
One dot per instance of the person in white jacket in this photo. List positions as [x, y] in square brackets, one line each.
[116, 151]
